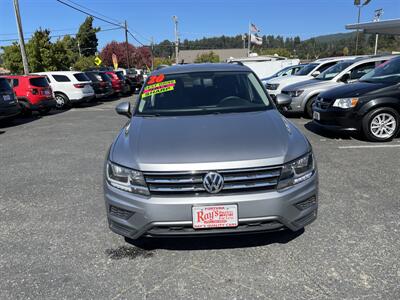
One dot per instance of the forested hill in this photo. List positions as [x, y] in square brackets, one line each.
[320, 46]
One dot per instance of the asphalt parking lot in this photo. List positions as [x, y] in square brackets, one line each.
[55, 242]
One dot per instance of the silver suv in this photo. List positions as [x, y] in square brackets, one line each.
[206, 152]
[305, 93]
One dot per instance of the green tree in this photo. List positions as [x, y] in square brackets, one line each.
[12, 59]
[209, 57]
[87, 38]
[39, 52]
[84, 63]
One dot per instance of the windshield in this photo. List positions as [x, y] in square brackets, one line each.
[388, 72]
[331, 72]
[39, 81]
[4, 86]
[306, 70]
[202, 93]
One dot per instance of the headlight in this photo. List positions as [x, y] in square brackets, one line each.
[297, 171]
[272, 86]
[294, 94]
[345, 102]
[126, 179]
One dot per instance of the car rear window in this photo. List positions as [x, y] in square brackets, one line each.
[4, 85]
[93, 76]
[120, 75]
[81, 77]
[61, 78]
[39, 81]
[105, 77]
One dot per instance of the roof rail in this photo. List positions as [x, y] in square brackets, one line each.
[236, 62]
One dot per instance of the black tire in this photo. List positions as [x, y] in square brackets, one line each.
[25, 111]
[371, 127]
[62, 101]
[308, 112]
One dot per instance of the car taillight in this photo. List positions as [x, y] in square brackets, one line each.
[34, 91]
[79, 86]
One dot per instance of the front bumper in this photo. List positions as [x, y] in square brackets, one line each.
[135, 216]
[337, 119]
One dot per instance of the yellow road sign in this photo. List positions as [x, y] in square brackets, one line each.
[97, 61]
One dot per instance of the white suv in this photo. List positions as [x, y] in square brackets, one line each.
[70, 87]
[275, 85]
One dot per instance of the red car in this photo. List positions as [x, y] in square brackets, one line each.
[33, 93]
[117, 82]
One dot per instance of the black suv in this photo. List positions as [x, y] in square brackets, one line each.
[101, 83]
[370, 106]
[9, 106]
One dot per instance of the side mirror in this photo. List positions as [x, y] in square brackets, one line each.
[345, 78]
[315, 73]
[124, 109]
[283, 100]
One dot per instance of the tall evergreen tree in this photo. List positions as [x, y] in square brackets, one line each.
[87, 38]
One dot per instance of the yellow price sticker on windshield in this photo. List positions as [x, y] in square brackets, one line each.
[158, 88]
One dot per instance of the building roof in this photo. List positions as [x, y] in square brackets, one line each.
[189, 68]
[189, 56]
[382, 27]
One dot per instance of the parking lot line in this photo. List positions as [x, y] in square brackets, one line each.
[369, 146]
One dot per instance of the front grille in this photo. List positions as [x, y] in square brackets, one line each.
[323, 103]
[191, 183]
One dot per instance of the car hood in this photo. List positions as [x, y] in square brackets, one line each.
[208, 142]
[355, 89]
[312, 83]
[286, 80]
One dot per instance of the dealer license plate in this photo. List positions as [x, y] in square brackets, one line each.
[220, 216]
[316, 116]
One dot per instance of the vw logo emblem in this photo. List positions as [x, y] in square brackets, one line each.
[213, 182]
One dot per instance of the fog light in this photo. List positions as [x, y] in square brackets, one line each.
[307, 203]
[120, 213]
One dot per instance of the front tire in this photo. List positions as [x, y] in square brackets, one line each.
[381, 124]
[308, 112]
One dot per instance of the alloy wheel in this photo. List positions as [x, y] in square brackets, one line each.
[383, 126]
[60, 101]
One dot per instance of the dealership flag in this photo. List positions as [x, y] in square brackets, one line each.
[255, 39]
[253, 28]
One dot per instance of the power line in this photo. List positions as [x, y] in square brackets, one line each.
[136, 39]
[58, 36]
[92, 10]
[89, 14]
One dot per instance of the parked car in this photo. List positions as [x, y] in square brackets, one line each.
[199, 157]
[126, 87]
[304, 93]
[291, 70]
[118, 84]
[370, 106]
[102, 86]
[69, 87]
[135, 78]
[9, 106]
[276, 85]
[33, 92]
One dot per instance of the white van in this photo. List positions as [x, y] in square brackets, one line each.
[70, 87]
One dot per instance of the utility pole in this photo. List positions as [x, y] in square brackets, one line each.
[175, 18]
[21, 38]
[359, 6]
[152, 53]
[79, 49]
[126, 44]
[378, 14]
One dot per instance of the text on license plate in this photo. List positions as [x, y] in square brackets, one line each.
[6, 97]
[316, 116]
[215, 216]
